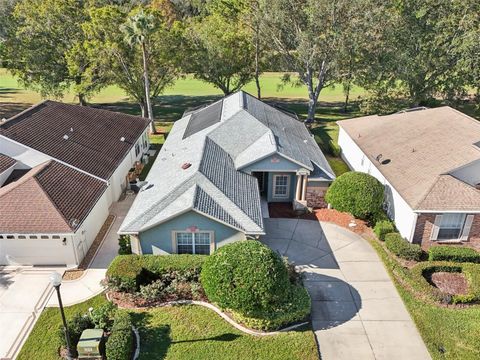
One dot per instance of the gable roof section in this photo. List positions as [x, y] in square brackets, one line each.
[93, 144]
[50, 198]
[292, 138]
[422, 146]
[6, 162]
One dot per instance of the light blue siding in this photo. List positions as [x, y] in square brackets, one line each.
[158, 240]
[272, 163]
[291, 194]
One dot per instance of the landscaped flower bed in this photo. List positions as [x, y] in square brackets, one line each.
[149, 280]
[255, 286]
[423, 280]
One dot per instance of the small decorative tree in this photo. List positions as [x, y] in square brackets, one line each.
[124, 247]
[358, 193]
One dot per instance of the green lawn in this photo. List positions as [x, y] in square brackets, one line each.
[43, 342]
[448, 333]
[194, 332]
[177, 333]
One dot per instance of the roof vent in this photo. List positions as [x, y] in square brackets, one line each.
[71, 129]
[185, 166]
[305, 141]
[4, 120]
[65, 137]
[122, 139]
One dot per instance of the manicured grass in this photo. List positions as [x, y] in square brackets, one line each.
[449, 333]
[194, 332]
[177, 333]
[43, 342]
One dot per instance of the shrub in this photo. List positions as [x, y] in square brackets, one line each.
[453, 253]
[382, 228]
[153, 291]
[102, 317]
[357, 193]
[75, 325]
[402, 248]
[245, 276]
[124, 246]
[295, 308]
[128, 272]
[423, 271]
[119, 345]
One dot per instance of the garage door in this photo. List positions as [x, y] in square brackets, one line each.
[36, 251]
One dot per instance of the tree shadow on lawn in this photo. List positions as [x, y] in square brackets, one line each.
[159, 337]
[9, 109]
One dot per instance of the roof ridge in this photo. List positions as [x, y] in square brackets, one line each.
[34, 177]
[28, 176]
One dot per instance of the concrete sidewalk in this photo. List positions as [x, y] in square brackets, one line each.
[89, 284]
[357, 312]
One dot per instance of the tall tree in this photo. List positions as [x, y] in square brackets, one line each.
[219, 50]
[122, 64]
[309, 35]
[40, 46]
[138, 30]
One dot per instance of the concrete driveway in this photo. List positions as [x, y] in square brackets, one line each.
[356, 310]
[23, 294]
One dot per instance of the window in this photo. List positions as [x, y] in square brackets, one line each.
[281, 185]
[193, 243]
[137, 149]
[451, 226]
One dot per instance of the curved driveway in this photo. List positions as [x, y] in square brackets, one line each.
[356, 310]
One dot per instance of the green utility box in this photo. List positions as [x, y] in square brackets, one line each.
[90, 345]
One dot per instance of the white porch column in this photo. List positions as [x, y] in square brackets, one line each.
[299, 187]
[135, 245]
[304, 188]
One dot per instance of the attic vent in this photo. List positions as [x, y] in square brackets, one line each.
[65, 137]
[185, 166]
[122, 139]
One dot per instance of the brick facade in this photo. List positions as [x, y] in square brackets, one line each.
[315, 196]
[424, 226]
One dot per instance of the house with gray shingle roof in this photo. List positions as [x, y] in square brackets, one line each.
[217, 168]
[429, 162]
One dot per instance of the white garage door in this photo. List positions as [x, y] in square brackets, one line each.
[36, 251]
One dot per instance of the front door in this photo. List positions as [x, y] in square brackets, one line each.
[261, 181]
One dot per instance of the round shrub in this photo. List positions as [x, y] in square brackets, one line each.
[358, 193]
[245, 276]
[383, 228]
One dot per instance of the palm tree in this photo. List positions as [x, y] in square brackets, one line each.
[137, 30]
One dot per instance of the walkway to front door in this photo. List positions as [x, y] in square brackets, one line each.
[356, 310]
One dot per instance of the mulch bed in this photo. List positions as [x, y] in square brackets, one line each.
[344, 220]
[450, 283]
[77, 273]
[130, 301]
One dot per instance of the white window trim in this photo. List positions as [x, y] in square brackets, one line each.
[175, 245]
[463, 234]
[281, 196]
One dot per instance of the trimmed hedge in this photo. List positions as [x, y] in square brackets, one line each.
[423, 271]
[382, 228]
[453, 253]
[245, 276]
[402, 248]
[358, 193]
[295, 309]
[128, 272]
[119, 345]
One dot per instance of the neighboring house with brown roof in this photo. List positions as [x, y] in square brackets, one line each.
[429, 162]
[61, 167]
